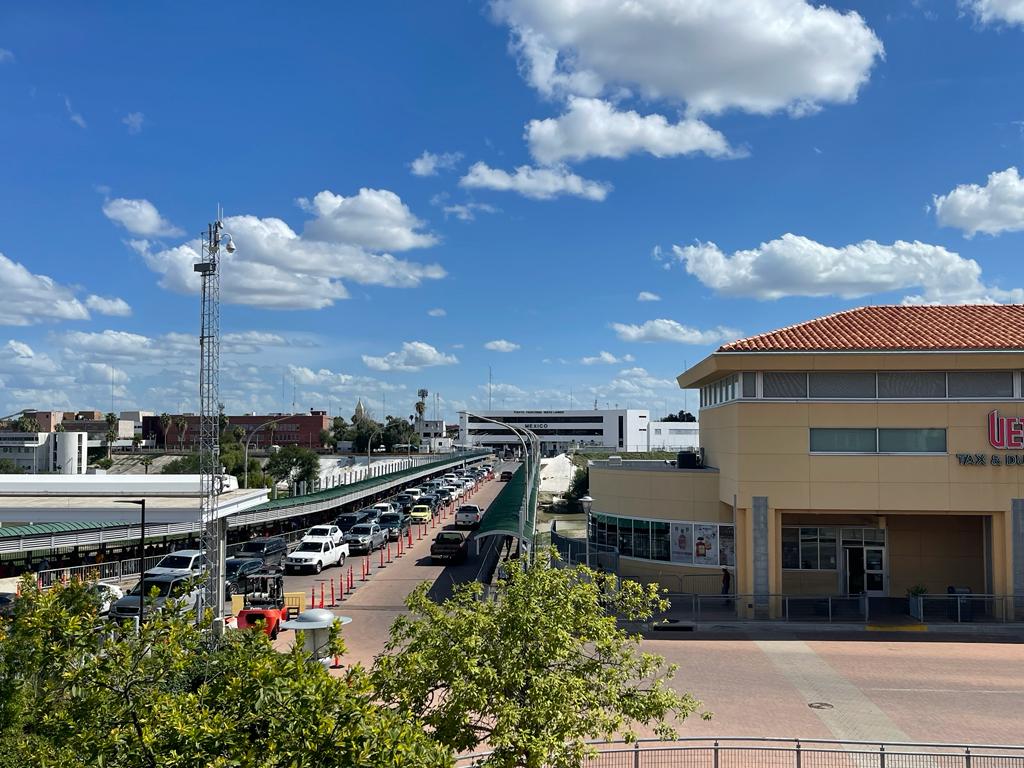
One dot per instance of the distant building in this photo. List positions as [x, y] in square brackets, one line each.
[136, 418]
[625, 430]
[63, 453]
[295, 429]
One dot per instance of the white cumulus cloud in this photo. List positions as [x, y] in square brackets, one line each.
[536, 183]
[756, 55]
[428, 164]
[647, 296]
[436, 312]
[467, 211]
[274, 267]
[115, 306]
[501, 345]
[670, 330]
[140, 217]
[996, 207]
[606, 358]
[374, 218]
[797, 266]
[995, 11]
[595, 128]
[29, 298]
[413, 356]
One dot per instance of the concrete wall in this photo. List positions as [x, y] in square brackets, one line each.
[936, 551]
[660, 492]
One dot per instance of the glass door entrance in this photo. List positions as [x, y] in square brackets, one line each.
[864, 570]
[874, 570]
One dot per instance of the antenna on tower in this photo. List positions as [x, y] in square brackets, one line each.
[214, 529]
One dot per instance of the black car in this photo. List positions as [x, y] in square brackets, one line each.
[444, 497]
[404, 502]
[7, 603]
[431, 500]
[236, 571]
[271, 551]
[348, 519]
[394, 524]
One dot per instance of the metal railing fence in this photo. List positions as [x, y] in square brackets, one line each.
[938, 609]
[120, 571]
[790, 753]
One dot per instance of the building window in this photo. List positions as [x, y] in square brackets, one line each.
[844, 441]
[980, 384]
[911, 441]
[749, 384]
[785, 384]
[911, 384]
[683, 543]
[843, 385]
[809, 549]
[858, 440]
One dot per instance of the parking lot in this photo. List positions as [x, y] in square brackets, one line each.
[375, 602]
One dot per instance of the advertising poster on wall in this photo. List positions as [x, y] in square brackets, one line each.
[705, 544]
[726, 545]
[682, 542]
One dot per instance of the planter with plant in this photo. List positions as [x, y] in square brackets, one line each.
[915, 596]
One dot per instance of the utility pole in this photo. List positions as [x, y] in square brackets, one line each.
[488, 387]
[214, 530]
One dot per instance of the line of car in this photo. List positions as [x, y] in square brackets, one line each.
[365, 530]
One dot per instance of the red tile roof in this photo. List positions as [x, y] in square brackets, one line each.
[897, 328]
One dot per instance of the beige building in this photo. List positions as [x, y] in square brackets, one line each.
[865, 454]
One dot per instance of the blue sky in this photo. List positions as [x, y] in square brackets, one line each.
[421, 190]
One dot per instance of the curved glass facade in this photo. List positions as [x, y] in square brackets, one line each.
[669, 541]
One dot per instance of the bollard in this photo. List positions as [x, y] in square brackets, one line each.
[334, 602]
[409, 531]
[351, 579]
[382, 557]
[433, 521]
[312, 597]
[364, 570]
[399, 543]
[389, 551]
[321, 594]
[419, 533]
[341, 585]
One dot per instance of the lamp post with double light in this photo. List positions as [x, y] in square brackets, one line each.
[251, 436]
[587, 503]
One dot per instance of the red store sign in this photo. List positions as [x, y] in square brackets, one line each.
[1005, 432]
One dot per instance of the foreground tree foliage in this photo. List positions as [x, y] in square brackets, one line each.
[169, 696]
[535, 673]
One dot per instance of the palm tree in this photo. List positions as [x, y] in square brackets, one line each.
[111, 437]
[59, 428]
[272, 428]
[136, 442]
[147, 462]
[182, 424]
[421, 404]
[165, 424]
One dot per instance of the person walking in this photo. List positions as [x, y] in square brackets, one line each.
[726, 586]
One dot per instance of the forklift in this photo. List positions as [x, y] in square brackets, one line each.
[263, 602]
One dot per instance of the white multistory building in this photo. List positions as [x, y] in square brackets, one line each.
[629, 430]
[61, 453]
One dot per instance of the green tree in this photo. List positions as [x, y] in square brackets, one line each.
[238, 433]
[165, 425]
[294, 464]
[147, 462]
[681, 416]
[362, 432]
[421, 404]
[399, 432]
[8, 467]
[182, 465]
[171, 696]
[59, 428]
[537, 672]
[579, 486]
[26, 424]
[112, 425]
[327, 438]
[182, 425]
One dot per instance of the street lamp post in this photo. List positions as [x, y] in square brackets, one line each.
[250, 437]
[587, 503]
[141, 503]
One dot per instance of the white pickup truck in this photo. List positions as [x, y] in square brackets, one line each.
[316, 553]
[468, 515]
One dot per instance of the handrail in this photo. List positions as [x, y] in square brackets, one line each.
[794, 744]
